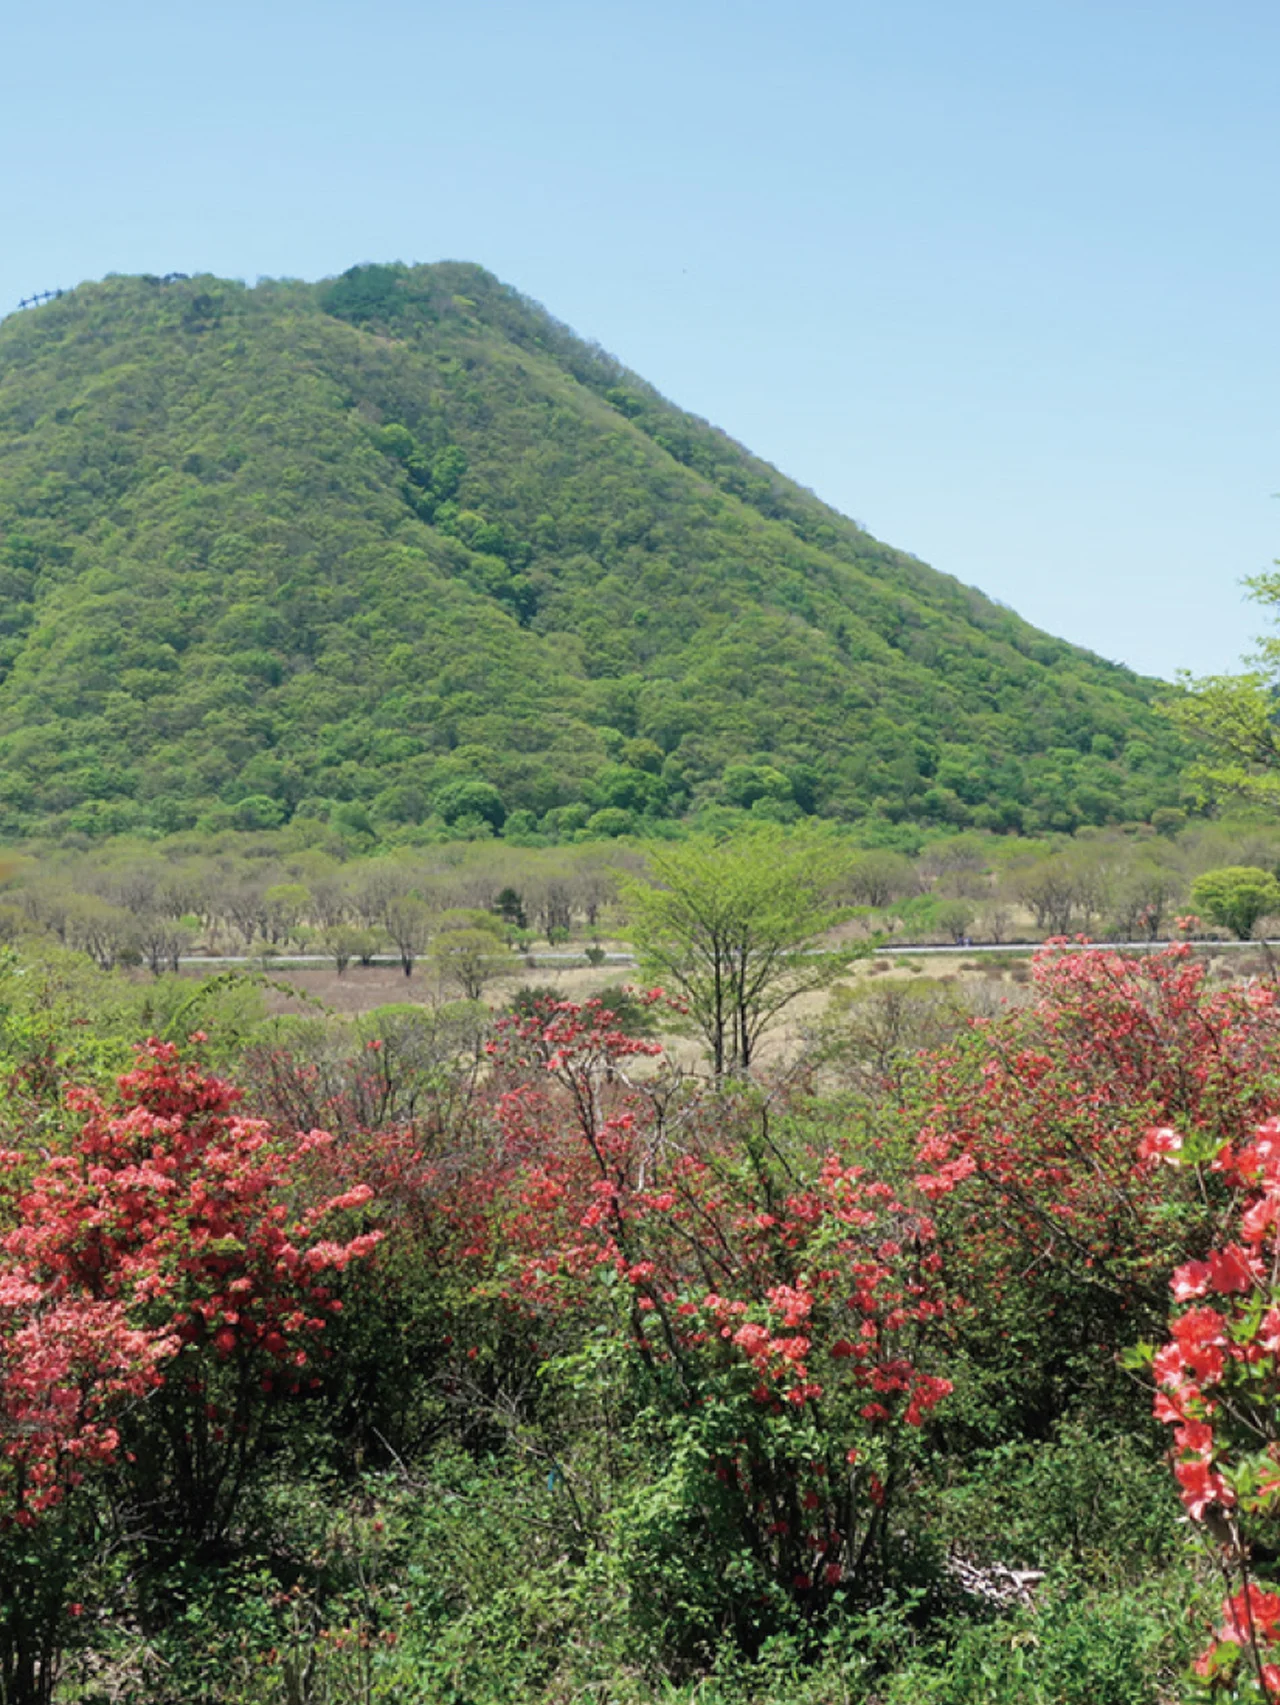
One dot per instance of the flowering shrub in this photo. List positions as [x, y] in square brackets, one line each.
[1037, 1118]
[717, 1334]
[773, 1315]
[159, 1285]
[1060, 1230]
[67, 1367]
[170, 1221]
[1218, 1387]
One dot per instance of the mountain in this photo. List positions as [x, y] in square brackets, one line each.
[398, 548]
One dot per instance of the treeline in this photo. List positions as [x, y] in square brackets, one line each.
[157, 904]
[134, 904]
[1104, 885]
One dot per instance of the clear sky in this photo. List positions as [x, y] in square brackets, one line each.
[996, 277]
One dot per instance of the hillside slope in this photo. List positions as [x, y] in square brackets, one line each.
[399, 545]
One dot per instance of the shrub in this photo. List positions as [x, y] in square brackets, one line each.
[165, 1255]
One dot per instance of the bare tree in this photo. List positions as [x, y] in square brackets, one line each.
[869, 1037]
[105, 932]
[595, 884]
[1048, 889]
[377, 888]
[1144, 896]
[285, 907]
[131, 885]
[997, 920]
[245, 909]
[178, 892]
[330, 902]
[879, 878]
[161, 942]
[554, 909]
[408, 920]
[49, 905]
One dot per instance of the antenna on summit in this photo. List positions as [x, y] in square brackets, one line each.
[40, 297]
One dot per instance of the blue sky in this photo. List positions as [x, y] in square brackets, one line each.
[998, 279]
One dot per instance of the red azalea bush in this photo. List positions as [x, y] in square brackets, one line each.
[67, 1365]
[1218, 1386]
[731, 1338]
[161, 1284]
[176, 1219]
[1035, 1119]
[1061, 1229]
[771, 1314]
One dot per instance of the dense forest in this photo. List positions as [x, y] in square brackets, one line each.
[399, 556]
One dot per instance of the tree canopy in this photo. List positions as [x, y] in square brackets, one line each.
[736, 929]
[1231, 721]
[1236, 896]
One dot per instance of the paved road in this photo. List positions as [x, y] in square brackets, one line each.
[291, 961]
[1072, 947]
[893, 950]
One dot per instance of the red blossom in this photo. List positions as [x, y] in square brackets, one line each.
[166, 1227]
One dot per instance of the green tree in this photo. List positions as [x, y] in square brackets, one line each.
[878, 877]
[471, 799]
[408, 921]
[737, 931]
[745, 784]
[469, 958]
[1232, 720]
[345, 942]
[954, 918]
[1236, 897]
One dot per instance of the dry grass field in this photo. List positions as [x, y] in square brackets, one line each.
[986, 983]
[365, 988]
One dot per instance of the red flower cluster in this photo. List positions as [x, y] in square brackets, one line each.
[1218, 1382]
[165, 1235]
[1029, 1139]
[803, 1304]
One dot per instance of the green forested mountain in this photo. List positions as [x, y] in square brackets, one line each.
[397, 548]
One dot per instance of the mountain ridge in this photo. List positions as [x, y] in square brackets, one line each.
[349, 549]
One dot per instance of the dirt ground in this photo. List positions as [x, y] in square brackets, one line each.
[363, 988]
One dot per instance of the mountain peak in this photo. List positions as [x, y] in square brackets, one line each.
[340, 550]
